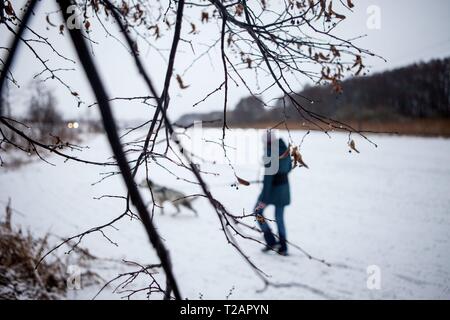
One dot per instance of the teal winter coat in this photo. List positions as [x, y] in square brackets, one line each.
[276, 189]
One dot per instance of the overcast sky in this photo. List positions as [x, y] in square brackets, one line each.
[409, 31]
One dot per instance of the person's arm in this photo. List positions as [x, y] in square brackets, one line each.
[267, 188]
[285, 165]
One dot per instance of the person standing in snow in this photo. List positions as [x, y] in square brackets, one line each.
[275, 191]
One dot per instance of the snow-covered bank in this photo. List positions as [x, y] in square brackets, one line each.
[387, 206]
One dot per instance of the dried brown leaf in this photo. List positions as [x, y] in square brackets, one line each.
[181, 83]
[242, 181]
[352, 146]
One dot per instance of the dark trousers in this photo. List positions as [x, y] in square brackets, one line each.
[265, 228]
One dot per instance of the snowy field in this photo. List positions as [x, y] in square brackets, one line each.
[387, 206]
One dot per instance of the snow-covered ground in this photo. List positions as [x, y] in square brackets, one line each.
[387, 206]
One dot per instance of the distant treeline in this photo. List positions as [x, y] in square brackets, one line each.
[418, 91]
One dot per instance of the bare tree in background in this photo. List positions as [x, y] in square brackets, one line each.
[42, 109]
[284, 40]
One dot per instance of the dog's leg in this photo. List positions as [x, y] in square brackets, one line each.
[189, 206]
[177, 206]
